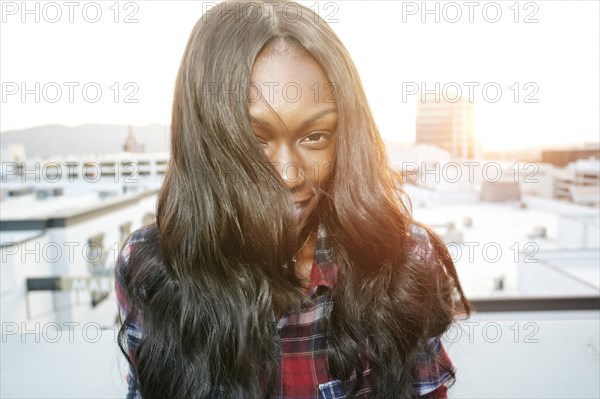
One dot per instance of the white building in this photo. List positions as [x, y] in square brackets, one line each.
[72, 243]
[579, 182]
[430, 167]
[106, 175]
[529, 266]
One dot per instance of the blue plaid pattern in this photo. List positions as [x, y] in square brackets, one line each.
[301, 336]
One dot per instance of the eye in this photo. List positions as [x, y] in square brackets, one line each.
[261, 141]
[317, 139]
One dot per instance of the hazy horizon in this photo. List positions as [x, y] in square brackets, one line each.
[548, 60]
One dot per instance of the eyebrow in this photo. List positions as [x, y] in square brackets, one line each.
[307, 122]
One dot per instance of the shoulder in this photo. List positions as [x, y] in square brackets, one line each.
[133, 250]
[434, 370]
[132, 255]
[420, 244]
[145, 234]
[418, 231]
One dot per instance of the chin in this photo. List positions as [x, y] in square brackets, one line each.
[309, 220]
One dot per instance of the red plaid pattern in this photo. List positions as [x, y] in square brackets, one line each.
[302, 339]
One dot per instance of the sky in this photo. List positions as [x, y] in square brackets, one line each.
[531, 68]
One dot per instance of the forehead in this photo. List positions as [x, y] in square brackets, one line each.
[288, 79]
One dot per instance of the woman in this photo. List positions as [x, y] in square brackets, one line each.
[283, 262]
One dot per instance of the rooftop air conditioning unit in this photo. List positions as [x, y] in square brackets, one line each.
[538, 232]
[453, 235]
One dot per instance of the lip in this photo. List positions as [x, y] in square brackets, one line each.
[302, 203]
[301, 207]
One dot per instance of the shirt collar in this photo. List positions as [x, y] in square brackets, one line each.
[324, 270]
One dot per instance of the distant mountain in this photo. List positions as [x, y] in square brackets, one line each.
[46, 141]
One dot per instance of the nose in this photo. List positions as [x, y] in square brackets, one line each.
[287, 163]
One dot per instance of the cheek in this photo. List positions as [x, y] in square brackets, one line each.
[324, 169]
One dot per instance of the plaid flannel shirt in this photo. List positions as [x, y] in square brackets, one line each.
[301, 337]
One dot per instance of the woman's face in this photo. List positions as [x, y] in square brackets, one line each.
[294, 117]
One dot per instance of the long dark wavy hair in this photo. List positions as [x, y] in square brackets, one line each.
[209, 281]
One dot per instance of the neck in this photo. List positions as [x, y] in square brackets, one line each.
[304, 260]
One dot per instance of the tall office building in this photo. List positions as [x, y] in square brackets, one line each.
[448, 126]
